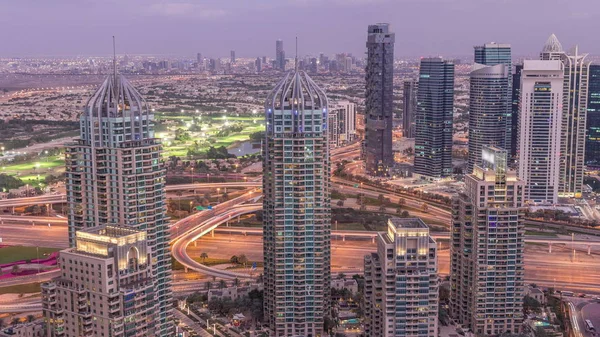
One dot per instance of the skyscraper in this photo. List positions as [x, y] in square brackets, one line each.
[409, 104]
[592, 146]
[379, 100]
[489, 108]
[199, 59]
[232, 56]
[575, 96]
[104, 288]
[258, 64]
[540, 129]
[516, 96]
[401, 282]
[486, 253]
[296, 208]
[114, 176]
[279, 55]
[433, 119]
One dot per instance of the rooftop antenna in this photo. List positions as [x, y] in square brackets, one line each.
[296, 59]
[114, 60]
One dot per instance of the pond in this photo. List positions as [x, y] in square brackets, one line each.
[244, 148]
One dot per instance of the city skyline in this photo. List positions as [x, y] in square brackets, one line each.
[176, 26]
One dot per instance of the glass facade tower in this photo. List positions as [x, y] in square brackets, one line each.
[379, 100]
[433, 119]
[592, 146]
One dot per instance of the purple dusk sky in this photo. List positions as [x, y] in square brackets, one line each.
[214, 27]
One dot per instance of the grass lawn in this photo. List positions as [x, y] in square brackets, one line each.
[38, 164]
[21, 289]
[18, 253]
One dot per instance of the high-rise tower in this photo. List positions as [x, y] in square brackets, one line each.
[379, 100]
[487, 244]
[401, 282]
[540, 129]
[575, 102]
[489, 109]
[409, 104]
[296, 208]
[279, 55]
[516, 97]
[115, 176]
[433, 119]
[592, 146]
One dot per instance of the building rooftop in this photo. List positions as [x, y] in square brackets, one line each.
[408, 223]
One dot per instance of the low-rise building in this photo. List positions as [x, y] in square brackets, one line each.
[105, 287]
[349, 284]
[401, 282]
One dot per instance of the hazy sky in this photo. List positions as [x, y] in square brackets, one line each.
[214, 27]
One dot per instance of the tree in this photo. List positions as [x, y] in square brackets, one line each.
[382, 208]
[204, 256]
[340, 203]
[234, 259]
[242, 259]
[222, 284]
[30, 318]
[236, 282]
[37, 210]
[398, 210]
[530, 304]
[15, 269]
[405, 214]
[208, 285]
[425, 207]
[341, 276]
[15, 321]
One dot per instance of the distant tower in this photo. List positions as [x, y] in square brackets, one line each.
[409, 104]
[575, 104]
[199, 59]
[486, 252]
[401, 295]
[540, 129]
[115, 176]
[379, 100]
[296, 208]
[279, 55]
[258, 64]
[490, 108]
[592, 146]
[433, 119]
[232, 56]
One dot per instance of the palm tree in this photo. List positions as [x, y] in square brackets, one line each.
[15, 321]
[236, 282]
[222, 284]
[15, 269]
[179, 194]
[341, 276]
[30, 318]
[234, 259]
[204, 256]
[208, 285]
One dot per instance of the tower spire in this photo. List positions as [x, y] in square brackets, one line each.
[114, 62]
[296, 59]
